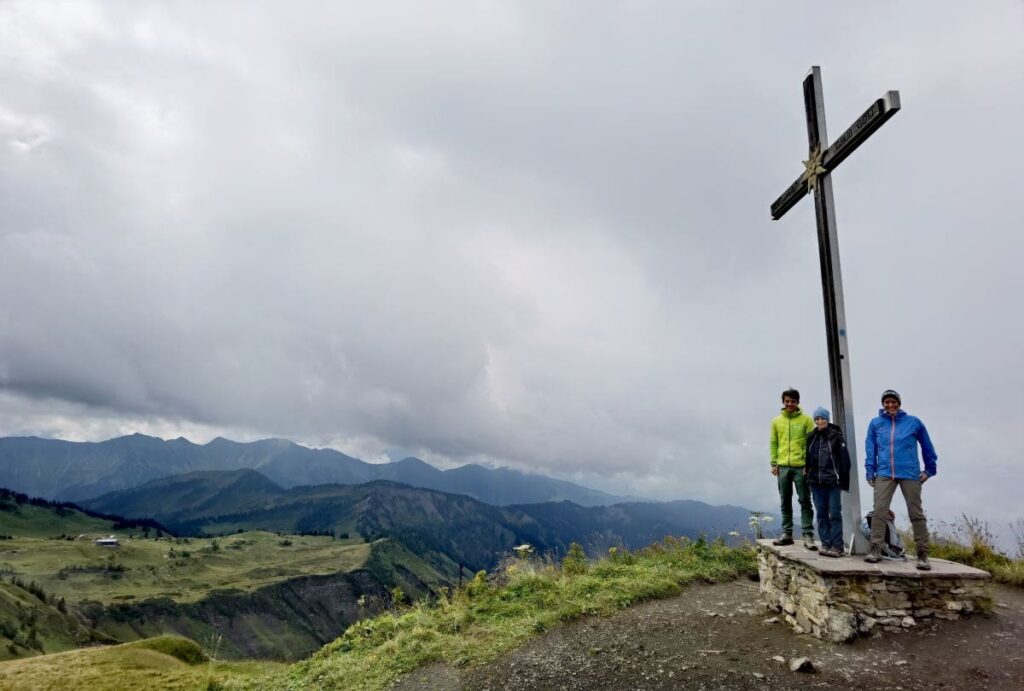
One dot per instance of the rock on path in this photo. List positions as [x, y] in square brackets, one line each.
[672, 644]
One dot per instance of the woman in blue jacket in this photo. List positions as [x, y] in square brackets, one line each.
[828, 473]
[892, 461]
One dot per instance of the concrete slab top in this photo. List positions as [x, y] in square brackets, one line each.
[856, 566]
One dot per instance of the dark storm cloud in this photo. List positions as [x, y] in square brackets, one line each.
[515, 234]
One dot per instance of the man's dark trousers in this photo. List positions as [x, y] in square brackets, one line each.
[788, 477]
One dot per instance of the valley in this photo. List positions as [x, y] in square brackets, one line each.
[250, 594]
[253, 594]
[179, 569]
[250, 567]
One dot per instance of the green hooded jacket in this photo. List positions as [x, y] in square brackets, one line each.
[789, 438]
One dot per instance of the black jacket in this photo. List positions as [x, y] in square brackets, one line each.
[836, 469]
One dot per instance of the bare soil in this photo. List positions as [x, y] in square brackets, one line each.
[717, 637]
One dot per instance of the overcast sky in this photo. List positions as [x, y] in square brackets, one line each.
[530, 234]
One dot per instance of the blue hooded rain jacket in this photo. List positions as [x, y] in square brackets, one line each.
[891, 447]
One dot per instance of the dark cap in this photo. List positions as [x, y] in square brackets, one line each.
[889, 393]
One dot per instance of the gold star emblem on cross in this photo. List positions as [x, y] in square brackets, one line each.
[813, 169]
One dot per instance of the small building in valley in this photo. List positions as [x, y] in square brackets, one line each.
[107, 541]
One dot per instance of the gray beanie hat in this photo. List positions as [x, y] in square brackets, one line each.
[889, 393]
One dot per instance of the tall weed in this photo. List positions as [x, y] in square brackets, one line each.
[970, 541]
[496, 612]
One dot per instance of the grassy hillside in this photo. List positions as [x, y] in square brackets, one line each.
[29, 517]
[490, 615]
[182, 569]
[166, 662]
[285, 620]
[970, 541]
[36, 521]
[256, 594]
[30, 625]
[20, 517]
[444, 529]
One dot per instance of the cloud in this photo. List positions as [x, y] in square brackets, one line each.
[507, 234]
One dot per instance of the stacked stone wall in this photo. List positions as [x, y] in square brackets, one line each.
[841, 607]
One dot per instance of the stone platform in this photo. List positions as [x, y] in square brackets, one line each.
[840, 599]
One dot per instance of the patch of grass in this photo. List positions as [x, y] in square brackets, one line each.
[27, 520]
[30, 625]
[127, 668]
[970, 541]
[183, 569]
[493, 614]
[188, 651]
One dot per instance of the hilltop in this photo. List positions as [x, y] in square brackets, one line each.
[168, 663]
[716, 637]
[26, 516]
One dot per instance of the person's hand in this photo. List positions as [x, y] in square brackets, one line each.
[923, 477]
[871, 482]
[775, 470]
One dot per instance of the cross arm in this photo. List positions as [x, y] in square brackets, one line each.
[855, 135]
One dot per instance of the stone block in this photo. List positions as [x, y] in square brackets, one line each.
[841, 626]
[838, 601]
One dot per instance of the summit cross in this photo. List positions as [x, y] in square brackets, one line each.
[822, 159]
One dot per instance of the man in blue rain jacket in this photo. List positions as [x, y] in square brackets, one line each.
[892, 461]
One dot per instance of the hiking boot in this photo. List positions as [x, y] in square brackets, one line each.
[783, 541]
[826, 552]
[874, 556]
[809, 543]
[922, 561]
[839, 552]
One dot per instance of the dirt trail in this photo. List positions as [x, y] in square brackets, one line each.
[715, 637]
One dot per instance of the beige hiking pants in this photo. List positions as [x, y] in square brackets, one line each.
[885, 488]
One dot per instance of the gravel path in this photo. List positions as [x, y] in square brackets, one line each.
[715, 637]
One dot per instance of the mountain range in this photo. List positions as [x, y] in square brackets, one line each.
[76, 471]
[442, 528]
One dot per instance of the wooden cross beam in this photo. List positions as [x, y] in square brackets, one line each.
[821, 161]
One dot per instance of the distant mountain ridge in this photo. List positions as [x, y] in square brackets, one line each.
[442, 528]
[76, 471]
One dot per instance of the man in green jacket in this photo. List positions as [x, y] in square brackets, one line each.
[789, 450]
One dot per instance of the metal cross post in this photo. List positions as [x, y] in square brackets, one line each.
[821, 161]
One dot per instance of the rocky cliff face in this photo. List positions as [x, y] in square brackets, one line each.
[284, 621]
